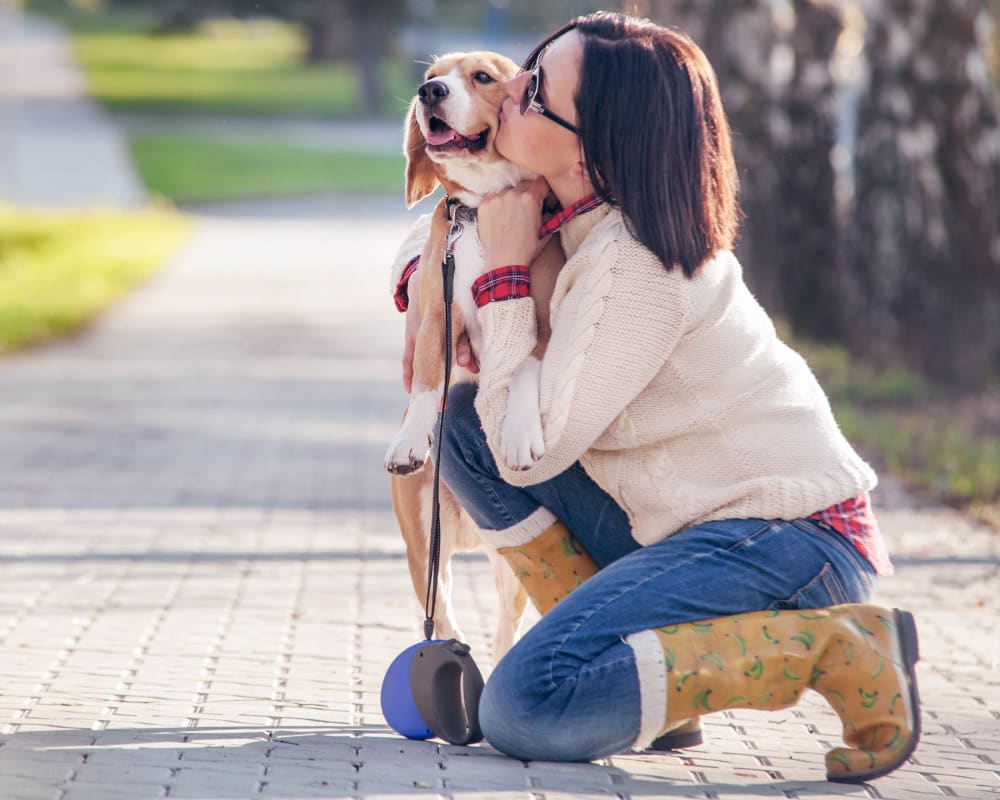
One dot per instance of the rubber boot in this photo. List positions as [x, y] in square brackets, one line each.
[859, 657]
[551, 566]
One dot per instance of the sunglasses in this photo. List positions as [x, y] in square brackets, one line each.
[530, 100]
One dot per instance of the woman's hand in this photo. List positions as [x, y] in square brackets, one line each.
[509, 222]
[463, 354]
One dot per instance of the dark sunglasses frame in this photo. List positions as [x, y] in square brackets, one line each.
[530, 100]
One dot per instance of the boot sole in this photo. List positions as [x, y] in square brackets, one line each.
[676, 741]
[910, 649]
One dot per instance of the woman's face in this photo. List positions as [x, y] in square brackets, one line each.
[533, 141]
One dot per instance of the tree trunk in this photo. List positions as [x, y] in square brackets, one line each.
[740, 37]
[181, 16]
[359, 31]
[369, 51]
[331, 26]
[803, 220]
[924, 246]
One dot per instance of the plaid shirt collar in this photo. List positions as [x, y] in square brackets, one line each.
[560, 218]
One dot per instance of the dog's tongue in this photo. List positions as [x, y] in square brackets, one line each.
[442, 137]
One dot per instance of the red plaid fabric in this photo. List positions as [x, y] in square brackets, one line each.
[560, 218]
[513, 282]
[402, 294]
[502, 283]
[853, 519]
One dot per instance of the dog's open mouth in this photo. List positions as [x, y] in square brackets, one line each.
[442, 136]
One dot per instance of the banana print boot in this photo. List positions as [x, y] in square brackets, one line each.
[859, 657]
[552, 565]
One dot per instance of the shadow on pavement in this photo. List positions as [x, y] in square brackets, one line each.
[327, 761]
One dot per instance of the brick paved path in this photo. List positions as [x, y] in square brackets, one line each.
[201, 583]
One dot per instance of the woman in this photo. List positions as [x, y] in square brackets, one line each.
[692, 468]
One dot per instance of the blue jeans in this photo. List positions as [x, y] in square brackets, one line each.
[569, 690]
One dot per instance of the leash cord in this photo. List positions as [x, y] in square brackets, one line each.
[447, 275]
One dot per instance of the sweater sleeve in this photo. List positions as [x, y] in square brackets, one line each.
[412, 246]
[613, 332]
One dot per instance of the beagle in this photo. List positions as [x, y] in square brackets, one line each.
[449, 140]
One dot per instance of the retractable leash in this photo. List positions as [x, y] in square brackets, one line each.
[432, 688]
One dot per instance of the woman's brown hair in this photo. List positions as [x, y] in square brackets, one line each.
[655, 137]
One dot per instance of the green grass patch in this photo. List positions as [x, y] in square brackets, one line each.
[225, 67]
[939, 454]
[944, 446]
[191, 169]
[59, 270]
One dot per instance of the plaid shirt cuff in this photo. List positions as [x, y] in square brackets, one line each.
[402, 294]
[503, 283]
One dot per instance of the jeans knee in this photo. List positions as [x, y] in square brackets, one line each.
[462, 432]
[523, 720]
[513, 723]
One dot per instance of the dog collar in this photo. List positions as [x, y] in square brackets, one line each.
[458, 212]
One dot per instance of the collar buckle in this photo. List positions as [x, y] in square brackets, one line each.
[459, 212]
[454, 234]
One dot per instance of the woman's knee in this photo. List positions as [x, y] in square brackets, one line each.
[503, 719]
[536, 708]
[463, 433]
[517, 722]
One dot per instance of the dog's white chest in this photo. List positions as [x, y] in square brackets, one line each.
[469, 262]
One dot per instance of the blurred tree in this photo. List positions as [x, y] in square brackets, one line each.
[178, 15]
[923, 245]
[802, 224]
[360, 31]
[744, 41]
[907, 261]
[773, 63]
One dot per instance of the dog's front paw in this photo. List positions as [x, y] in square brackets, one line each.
[407, 453]
[521, 441]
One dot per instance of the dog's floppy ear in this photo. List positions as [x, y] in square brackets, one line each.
[421, 179]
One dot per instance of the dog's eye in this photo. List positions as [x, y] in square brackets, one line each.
[483, 77]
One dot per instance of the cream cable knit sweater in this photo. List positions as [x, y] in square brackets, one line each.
[675, 394]
[412, 246]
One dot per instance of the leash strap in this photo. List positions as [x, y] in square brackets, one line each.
[448, 280]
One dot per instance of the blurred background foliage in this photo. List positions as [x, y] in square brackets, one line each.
[866, 132]
[58, 271]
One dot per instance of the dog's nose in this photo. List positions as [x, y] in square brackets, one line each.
[432, 92]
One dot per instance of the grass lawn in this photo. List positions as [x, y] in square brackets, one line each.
[943, 445]
[227, 67]
[59, 270]
[189, 169]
